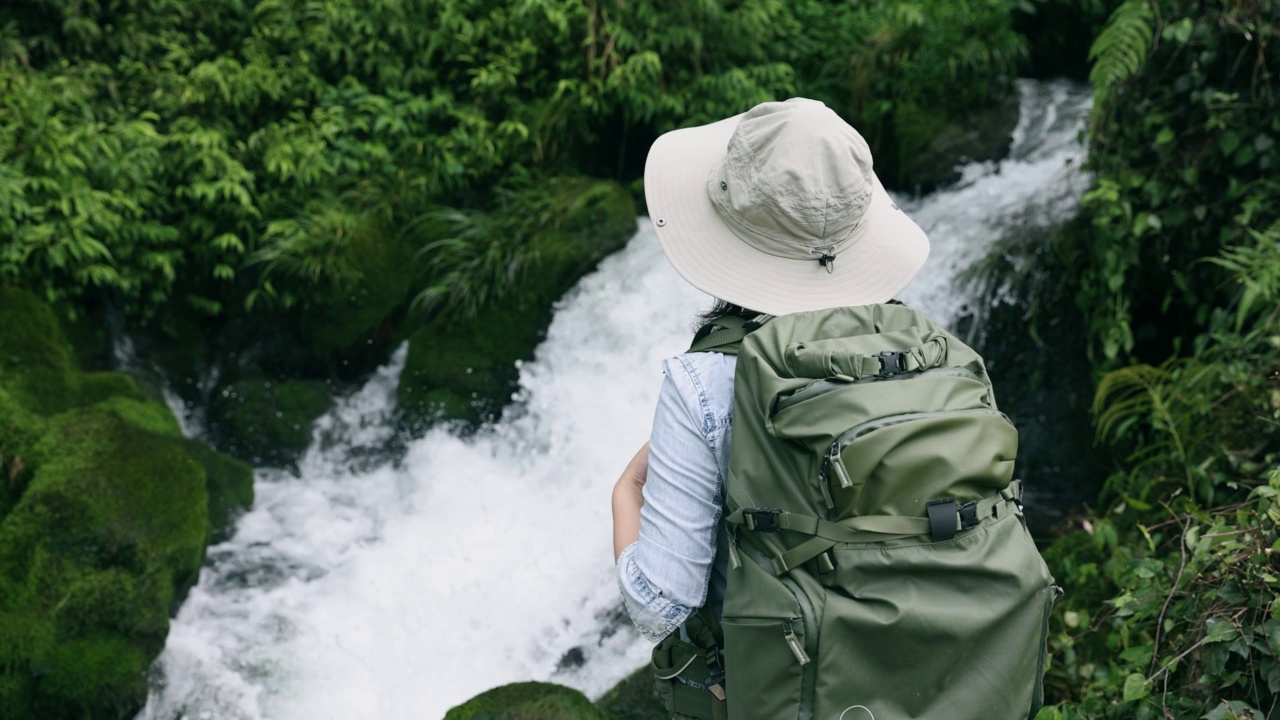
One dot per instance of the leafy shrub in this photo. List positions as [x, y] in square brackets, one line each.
[221, 155]
[1184, 146]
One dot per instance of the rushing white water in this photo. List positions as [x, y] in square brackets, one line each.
[363, 588]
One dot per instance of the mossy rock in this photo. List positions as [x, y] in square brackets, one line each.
[20, 430]
[104, 517]
[635, 698]
[34, 353]
[110, 529]
[465, 369]
[228, 481]
[266, 422]
[356, 325]
[528, 701]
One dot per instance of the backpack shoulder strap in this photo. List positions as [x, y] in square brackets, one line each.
[724, 334]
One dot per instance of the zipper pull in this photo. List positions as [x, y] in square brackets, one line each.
[793, 642]
[837, 465]
[735, 562]
[824, 484]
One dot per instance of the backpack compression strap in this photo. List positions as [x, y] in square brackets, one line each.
[724, 334]
[946, 518]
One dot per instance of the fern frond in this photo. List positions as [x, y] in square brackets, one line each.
[1121, 48]
[1124, 394]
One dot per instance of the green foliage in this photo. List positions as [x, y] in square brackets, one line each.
[1059, 33]
[1171, 607]
[226, 156]
[478, 257]
[1171, 589]
[1122, 46]
[909, 68]
[464, 367]
[1184, 149]
[1257, 269]
[1176, 614]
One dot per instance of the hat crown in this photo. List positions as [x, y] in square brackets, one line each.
[796, 179]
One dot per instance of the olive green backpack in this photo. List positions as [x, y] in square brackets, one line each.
[880, 565]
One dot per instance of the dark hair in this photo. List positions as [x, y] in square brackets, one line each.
[721, 308]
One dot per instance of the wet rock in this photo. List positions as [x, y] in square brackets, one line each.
[981, 136]
[264, 421]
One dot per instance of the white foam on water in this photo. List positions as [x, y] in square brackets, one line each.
[359, 588]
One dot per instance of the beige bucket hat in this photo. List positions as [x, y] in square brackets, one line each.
[778, 210]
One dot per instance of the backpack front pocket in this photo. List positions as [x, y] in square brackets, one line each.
[765, 677]
[951, 629]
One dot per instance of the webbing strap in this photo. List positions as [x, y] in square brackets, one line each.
[868, 528]
[725, 333]
[864, 528]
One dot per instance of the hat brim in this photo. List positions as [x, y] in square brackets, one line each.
[887, 251]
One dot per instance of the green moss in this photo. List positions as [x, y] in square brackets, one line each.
[352, 321]
[149, 415]
[228, 481]
[33, 352]
[466, 370]
[20, 429]
[635, 698]
[95, 387]
[104, 516]
[267, 422]
[527, 701]
[15, 696]
[36, 362]
[102, 675]
[111, 527]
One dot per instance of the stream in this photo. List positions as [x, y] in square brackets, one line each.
[363, 586]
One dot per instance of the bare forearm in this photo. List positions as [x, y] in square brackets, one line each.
[628, 498]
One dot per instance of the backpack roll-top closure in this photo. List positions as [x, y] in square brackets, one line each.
[885, 355]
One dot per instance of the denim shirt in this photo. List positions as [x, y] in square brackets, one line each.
[673, 568]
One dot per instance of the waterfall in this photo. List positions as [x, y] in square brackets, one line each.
[362, 587]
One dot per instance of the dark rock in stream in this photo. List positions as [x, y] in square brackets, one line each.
[985, 134]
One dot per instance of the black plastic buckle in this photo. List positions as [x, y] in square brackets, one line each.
[762, 519]
[969, 515]
[892, 362]
[942, 518]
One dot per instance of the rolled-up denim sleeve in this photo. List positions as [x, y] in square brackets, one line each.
[664, 575]
[653, 615]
